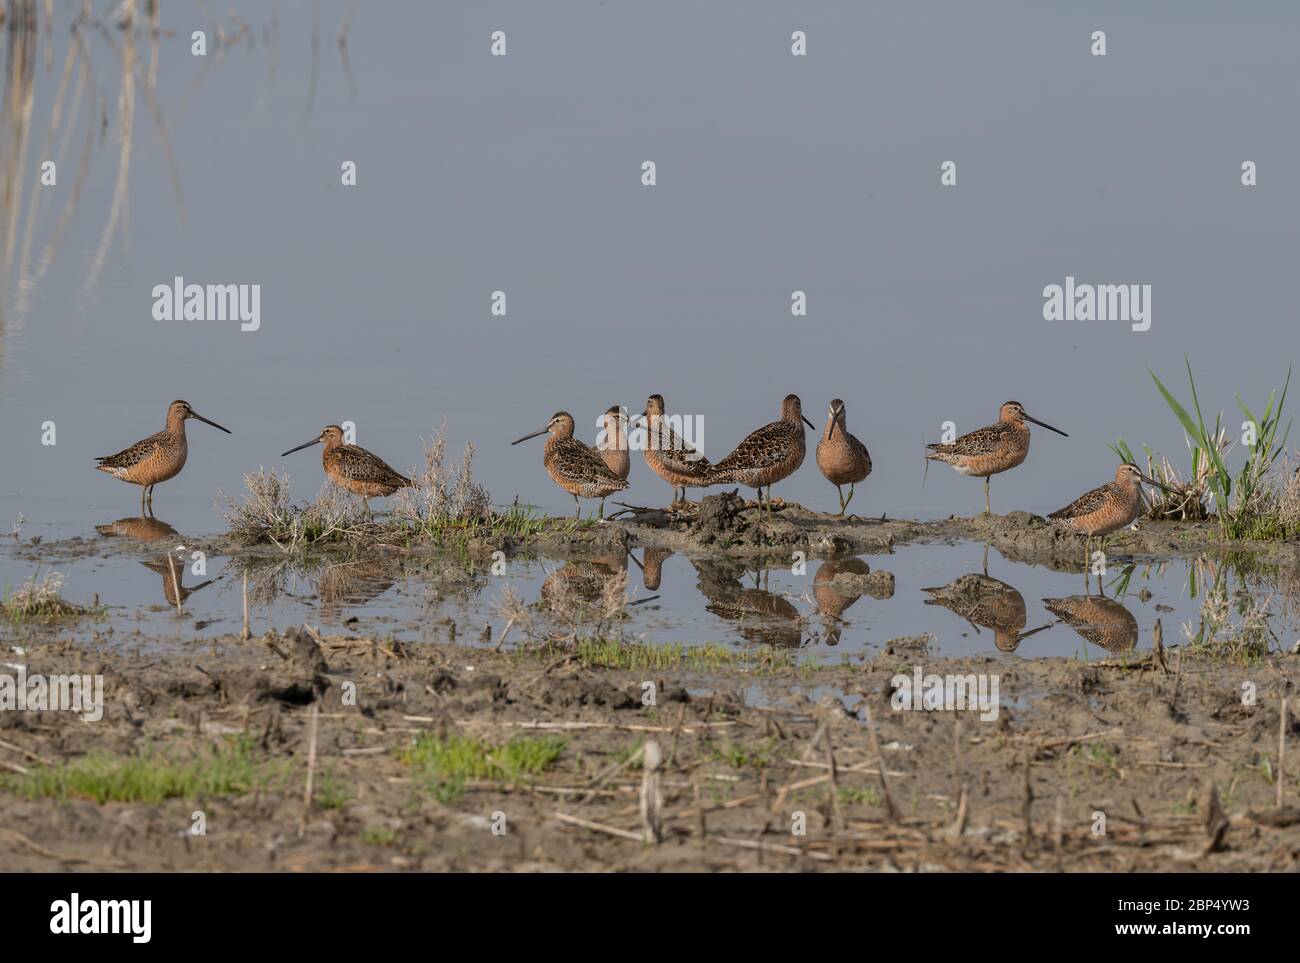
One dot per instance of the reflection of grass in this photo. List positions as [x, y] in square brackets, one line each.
[224, 769]
[42, 601]
[447, 763]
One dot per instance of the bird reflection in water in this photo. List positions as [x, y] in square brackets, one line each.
[597, 585]
[986, 602]
[834, 596]
[1098, 620]
[760, 616]
[356, 582]
[171, 568]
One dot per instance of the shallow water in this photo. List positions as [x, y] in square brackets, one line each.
[521, 173]
[673, 599]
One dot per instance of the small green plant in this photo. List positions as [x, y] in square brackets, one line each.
[1236, 518]
[330, 794]
[378, 836]
[226, 768]
[447, 763]
[738, 756]
[863, 795]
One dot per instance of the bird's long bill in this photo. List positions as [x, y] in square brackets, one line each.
[1043, 424]
[808, 423]
[305, 444]
[1160, 485]
[206, 421]
[830, 432]
[540, 431]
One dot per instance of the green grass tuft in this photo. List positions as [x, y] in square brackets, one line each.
[224, 769]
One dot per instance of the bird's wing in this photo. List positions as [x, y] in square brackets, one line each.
[1085, 504]
[361, 465]
[763, 448]
[137, 453]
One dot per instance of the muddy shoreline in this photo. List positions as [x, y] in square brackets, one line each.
[724, 525]
[749, 741]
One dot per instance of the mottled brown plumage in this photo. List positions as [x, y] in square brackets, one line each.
[612, 444]
[987, 451]
[1099, 620]
[652, 567]
[157, 458]
[572, 465]
[143, 529]
[987, 603]
[669, 455]
[355, 469]
[172, 570]
[832, 598]
[1108, 508]
[768, 455]
[582, 583]
[761, 617]
[841, 457]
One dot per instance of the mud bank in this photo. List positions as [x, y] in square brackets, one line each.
[1178, 764]
[725, 524]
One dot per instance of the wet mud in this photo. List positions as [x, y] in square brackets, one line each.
[763, 764]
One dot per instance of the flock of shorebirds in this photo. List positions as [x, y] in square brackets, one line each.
[763, 458]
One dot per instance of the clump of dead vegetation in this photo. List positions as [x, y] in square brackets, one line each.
[444, 494]
[266, 514]
[41, 600]
[444, 504]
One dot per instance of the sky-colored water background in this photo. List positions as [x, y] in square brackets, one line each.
[775, 173]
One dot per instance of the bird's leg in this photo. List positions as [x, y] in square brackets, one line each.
[852, 486]
[986, 558]
[601, 510]
[577, 515]
[143, 489]
[987, 508]
[840, 491]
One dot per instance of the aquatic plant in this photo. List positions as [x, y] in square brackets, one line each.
[1241, 502]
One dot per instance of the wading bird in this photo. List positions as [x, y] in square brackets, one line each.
[842, 458]
[1108, 508]
[157, 458]
[359, 471]
[767, 455]
[987, 451]
[572, 465]
[669, 455]
[612, 444]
